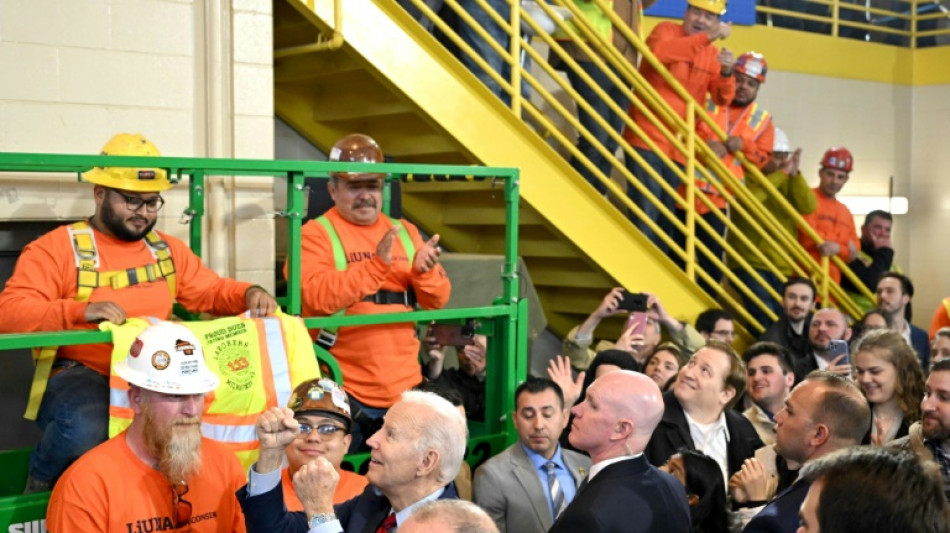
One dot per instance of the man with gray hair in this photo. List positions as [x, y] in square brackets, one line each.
[623, 492]
[449, 516]
[413, 459]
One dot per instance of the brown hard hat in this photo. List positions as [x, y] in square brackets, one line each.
[356, 148]
[322, 396]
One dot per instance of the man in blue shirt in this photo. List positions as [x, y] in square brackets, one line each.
[525, 487]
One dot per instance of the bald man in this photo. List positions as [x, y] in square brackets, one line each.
[449, 516]
[623, 492]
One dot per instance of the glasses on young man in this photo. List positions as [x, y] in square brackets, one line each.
[134, 203]
[181, 507]
[324, 430]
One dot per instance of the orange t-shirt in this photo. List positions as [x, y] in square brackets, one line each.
[40, 295]
[111, 489]
[350, 486]
[378, 362]
[691, 59]
[833, 221]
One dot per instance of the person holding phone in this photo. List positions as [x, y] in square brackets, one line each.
[886, 368]
[469, 378]
[655, 318]
[827, 325]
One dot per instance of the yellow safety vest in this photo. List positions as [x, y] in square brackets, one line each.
[259, 362]
[89, 278]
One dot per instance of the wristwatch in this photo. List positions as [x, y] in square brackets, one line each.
[321, 518]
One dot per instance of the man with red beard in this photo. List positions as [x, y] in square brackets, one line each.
[930, 438]
[160, 474]
[109, 267]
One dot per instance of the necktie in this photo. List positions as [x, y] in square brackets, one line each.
[388, 525]
[554, 489]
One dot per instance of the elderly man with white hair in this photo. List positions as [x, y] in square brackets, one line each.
[623, 492]
[413, 460]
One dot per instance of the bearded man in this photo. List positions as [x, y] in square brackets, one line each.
[160, 474]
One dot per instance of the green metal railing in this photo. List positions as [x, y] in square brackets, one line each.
[504, 321]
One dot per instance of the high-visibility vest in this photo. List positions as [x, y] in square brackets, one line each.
[259, 362]
[88, 279]
[326, 337]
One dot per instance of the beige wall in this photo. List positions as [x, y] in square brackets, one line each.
[194, 77]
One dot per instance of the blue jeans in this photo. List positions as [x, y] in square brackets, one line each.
[601, 108]
[761, 293]
[651, 211]
[366, 421]
[74, 418]
[484, 50]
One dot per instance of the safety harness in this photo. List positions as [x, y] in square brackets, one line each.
[88, 278]
[326, 337]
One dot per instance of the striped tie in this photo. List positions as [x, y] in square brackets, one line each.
[554, 489]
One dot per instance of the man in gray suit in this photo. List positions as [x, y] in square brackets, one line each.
[525, 487]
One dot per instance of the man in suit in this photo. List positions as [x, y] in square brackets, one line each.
[413, 459]
[791, 329]
[827, 324]
[624, 492]
[894, 292]
[515, 486]
[824, 413]
[697, 413]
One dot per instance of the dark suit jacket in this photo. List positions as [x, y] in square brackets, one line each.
[781, 514]
[673, 434]
[362, 514]
[631, 496]
[921, 344]
[804, 366]
[781, 332]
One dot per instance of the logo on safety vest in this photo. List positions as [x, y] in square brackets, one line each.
[233, 357]
[161, 360]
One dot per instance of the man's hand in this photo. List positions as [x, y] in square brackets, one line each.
[631, 342]
[259, 302]
[727, 60]
[608, 307]
[662, 315]
[881, 240]
[718, 148]
[476, 355]
[838, 368]
[559, 370]
[384, 250]
[428, 255]
[733, 144]
[829, 248]
[719, 30]
[276, 428]
[103, 311]
[852, 250]
[751, 483]
[315, 484]
[436, 355]
[791, 164]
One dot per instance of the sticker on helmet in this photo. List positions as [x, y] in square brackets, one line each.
[339, 400]
[185, 347]
[136, 348]
[295, 403]
[315, 393]
[188, 367]
[161, 360]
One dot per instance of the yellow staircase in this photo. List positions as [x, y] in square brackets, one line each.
[392, 80]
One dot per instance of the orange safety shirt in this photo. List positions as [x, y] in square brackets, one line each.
[692, 61]
[941, 318]
[378, 362]
[40, 296]
[110, 489]
[350, 486]
[833, 221]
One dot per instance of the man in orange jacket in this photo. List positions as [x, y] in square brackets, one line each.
[686, 50]
[832, 220]
[355, 260]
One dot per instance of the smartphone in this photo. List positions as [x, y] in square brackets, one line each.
[633, 301]
[837, 348]
[452, 334]
[637, 323]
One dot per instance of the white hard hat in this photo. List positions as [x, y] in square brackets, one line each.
[781, 143]
[167, 358]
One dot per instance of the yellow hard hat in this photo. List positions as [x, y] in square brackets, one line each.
[717, 7]
[129, 179]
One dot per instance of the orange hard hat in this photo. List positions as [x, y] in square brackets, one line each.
[356, 148]
[837, 157]
[753, 65]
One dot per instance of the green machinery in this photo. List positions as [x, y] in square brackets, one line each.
[504, 321]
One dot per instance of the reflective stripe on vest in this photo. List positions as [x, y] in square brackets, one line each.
[259, 361]
[88, 279]
[339, 260]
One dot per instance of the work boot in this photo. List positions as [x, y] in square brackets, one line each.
[34, 485]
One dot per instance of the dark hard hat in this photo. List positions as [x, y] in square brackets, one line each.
[356, 148]
[321, 396]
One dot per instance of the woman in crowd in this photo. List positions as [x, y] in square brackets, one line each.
[664, 363]
[940, 347]
[874, 319]
[705, 489]
[889, 374]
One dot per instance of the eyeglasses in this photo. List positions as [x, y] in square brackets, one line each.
[180, 506]
[134, 203]
[324, 430]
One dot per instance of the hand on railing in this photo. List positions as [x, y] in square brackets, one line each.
[733, 144]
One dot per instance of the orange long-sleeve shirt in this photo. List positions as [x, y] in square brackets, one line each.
[691, 59]
[833, 221]
[378, 362]
[40, 296]
[110, 489]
